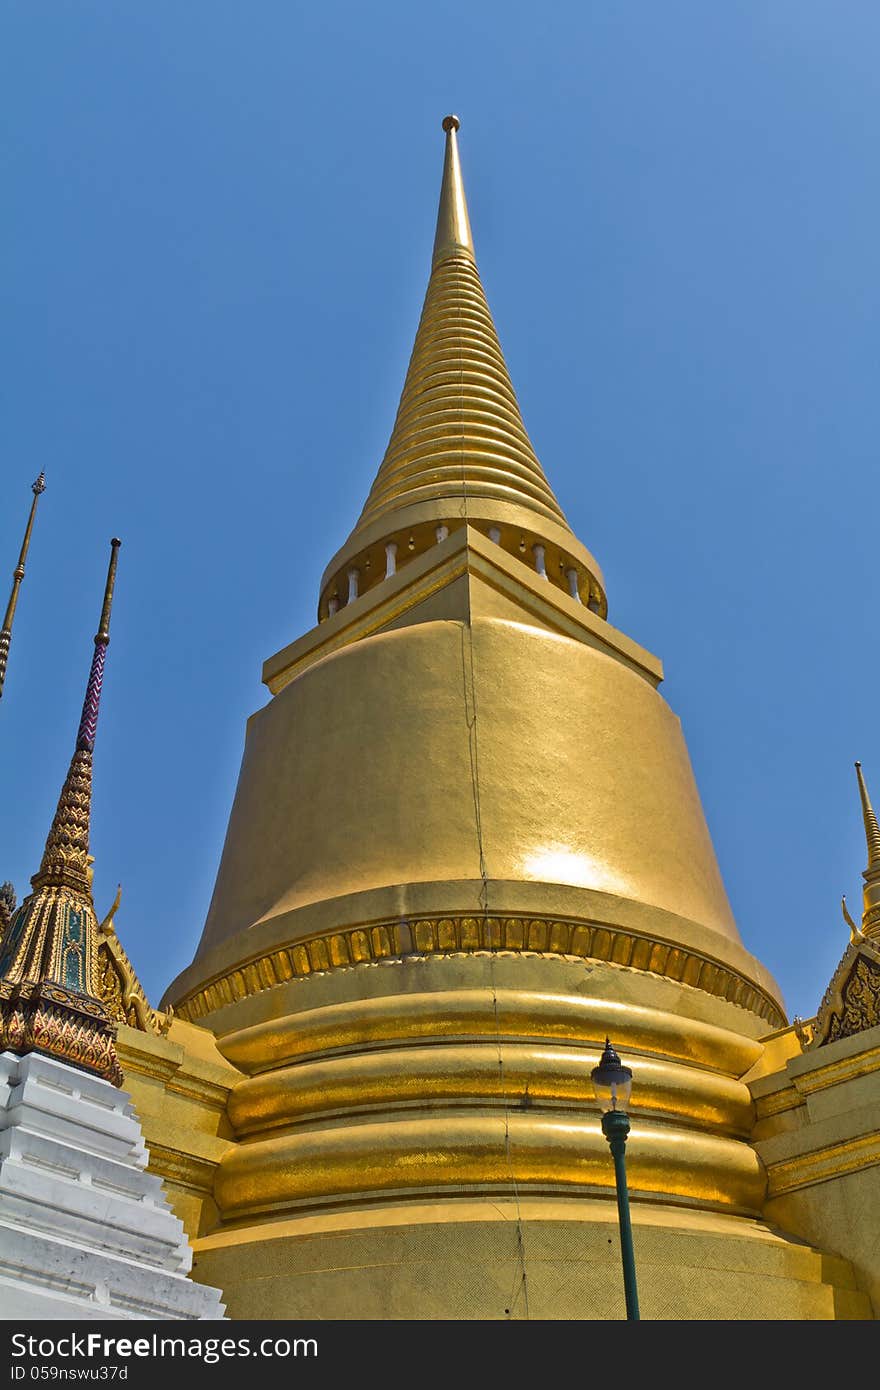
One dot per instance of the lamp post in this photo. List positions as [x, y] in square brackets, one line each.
[612, 1082]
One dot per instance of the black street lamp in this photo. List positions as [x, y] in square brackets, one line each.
[612, 1082]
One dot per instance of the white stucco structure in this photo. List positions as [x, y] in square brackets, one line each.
[85, 1231]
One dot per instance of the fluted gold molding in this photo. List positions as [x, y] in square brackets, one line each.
[501, 1011]
[833, 1161]
[389, 940]
[185, 1170]
[776, 1103]
[392, 1079]
[482, 1152]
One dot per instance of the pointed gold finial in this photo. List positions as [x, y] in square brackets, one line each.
[49, 993]
[37, 489]
[453, 236]
[871, 875]
[872, 829]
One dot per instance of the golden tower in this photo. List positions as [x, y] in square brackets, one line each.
[50, 994]
[467, 844]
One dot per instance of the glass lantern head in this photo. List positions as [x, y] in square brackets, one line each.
[612, 1081]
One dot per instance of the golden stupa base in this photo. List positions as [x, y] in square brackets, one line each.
[417, 1138]
[463, 1259]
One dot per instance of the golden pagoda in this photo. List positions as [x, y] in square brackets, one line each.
[85, 1230]
[465, 847]
[50, 995]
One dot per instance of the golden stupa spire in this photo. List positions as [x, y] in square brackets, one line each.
[48, 957]
[17, 576]
[871, 875]
[459, 452]
[458, 431]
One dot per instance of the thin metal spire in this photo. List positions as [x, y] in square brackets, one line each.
[17, 576]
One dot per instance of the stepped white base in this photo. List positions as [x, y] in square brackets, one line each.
[85, 1232]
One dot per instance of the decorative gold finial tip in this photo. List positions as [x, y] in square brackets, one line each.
[451, 123]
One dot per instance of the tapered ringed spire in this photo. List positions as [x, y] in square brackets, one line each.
[872, 829]
[459, 453]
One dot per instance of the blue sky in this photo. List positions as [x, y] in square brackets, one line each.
[217, 232]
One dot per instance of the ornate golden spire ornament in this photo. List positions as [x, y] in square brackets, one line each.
[17, 576]
[49, 994]
[459, 452]
[851, 1003]
[871, 874]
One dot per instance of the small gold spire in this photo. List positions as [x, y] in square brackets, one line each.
[872, 829]
[871, 875]
[49, 993]
[17, 576]
[453, 236]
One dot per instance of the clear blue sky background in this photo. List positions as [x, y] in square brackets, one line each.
[216, 239]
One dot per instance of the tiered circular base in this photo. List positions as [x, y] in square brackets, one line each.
[532, 1259]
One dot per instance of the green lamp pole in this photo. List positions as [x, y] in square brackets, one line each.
[612, 1082]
